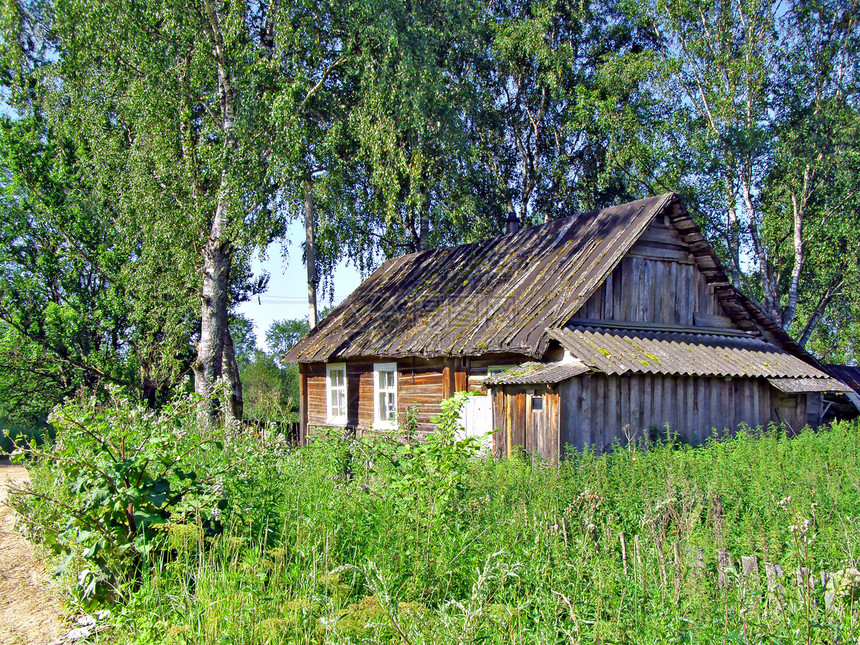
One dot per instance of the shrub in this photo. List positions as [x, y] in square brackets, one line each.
[114, 475]
[429, 477]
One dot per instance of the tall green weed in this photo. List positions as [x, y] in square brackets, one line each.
[433, 544]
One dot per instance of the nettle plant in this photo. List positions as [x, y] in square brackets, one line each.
[118, 475]
[433, 473]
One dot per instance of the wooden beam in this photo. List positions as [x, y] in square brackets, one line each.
[461, 378]
[303, 403]
[644, 326]
[651, 253]
[713, 321]
[448, 379]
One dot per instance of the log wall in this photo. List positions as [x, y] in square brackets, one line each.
[421, 384]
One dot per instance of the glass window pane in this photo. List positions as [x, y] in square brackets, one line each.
[392, 407]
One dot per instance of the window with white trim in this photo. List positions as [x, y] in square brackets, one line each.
[385, 395]
[335, 392]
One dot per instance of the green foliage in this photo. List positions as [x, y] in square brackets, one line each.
[763, 95]
[114, 476]
[570, 85]
[14, 434]
[66, 315]
[586, 548]
[270, 390]
[282, 335]
[429, 478]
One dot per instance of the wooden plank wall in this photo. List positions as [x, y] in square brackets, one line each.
[597, 409]
[519, 425]
[656, 282]
[419, 385]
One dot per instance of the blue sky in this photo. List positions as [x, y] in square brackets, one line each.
[287, 295]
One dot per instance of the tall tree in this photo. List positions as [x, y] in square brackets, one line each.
[764, 91]
[565, 87]
[169, 100]
[414, 124]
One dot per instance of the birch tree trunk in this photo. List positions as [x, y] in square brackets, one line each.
[213, 314]
[230, 369]
[310, 240]
[217, 252]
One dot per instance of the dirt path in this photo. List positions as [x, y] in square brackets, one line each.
[30, 609]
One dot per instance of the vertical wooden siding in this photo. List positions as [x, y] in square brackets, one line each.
[519, 425]
[597, 409]
[656, 282]
[653, 291]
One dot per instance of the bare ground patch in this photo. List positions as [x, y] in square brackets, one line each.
[30, 608]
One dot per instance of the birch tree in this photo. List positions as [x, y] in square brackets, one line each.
[168, 101]
[766, 89]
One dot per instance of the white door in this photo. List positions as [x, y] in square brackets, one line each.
[476, 418]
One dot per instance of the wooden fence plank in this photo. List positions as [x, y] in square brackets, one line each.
[623, 550]
[722, 567]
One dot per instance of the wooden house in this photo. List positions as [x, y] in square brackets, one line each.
[610, 324]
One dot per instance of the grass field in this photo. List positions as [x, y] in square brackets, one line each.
[751, 539]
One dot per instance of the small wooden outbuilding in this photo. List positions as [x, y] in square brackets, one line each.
[607, 325]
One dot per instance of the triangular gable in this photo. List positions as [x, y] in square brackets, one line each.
[682, 240]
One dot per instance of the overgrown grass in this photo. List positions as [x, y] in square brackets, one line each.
[326, 545]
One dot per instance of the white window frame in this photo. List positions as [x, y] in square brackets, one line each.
[378, 422]
[331, 417]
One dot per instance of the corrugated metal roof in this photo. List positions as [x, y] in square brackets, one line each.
[488, 297]
[848, 374]
[798, 385]
[615, 351]
[538, 373]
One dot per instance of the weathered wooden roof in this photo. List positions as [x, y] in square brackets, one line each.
[619, 351]
[848, 374]
[495, 296]
[799, 385]
[538, 373]
[503, 294]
